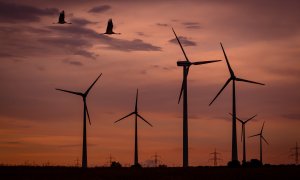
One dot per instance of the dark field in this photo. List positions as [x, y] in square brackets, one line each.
[66, 173]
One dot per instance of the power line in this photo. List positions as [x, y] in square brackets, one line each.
[156, 159]
[110, 159]
[215, 157]
[295, 153]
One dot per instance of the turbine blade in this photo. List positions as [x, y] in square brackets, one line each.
[187, 71]
[264, 140]
[262, 128]
[72, 92]
[254, 135]
[227, 62]
[181, 46]
[248, 81]
[88, 90]
[87, 112]
[221, 90]
[183, 82]
[238, 119]
[125, 117]
[181, 91]
[250, 118]
[136, 99]
[204, 62]
[144, 120]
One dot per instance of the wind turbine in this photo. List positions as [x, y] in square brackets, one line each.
[233, 78]
[85, 112]
[135, 112]
[186, 66]
[243, 135]
[260, 140]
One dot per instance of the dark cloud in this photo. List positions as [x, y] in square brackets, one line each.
[81, 21]
[184, 41]
[82, 33]
[76, 31]
[166, 68]
[71, 46]
[73, 62]
[19, 29]
[192, 25]
[292, 116]
[100, 9]
[68, 42]
[156, 67]
[133, 45]
[12, 13]
[85, 53]
[162, 24]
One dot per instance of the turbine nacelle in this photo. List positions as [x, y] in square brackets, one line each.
[183, 63]
[187, 64]
[135, 112]
[232, 77]
[83, 95]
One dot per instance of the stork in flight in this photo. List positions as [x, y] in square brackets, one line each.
[61, 18]
[109, 28]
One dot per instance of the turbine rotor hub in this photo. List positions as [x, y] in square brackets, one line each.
[183, 63]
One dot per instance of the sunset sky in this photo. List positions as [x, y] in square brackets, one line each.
[39, 124]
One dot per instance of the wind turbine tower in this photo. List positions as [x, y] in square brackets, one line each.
[186, 66]
[136, 113]
[85, 113]
[261, 137]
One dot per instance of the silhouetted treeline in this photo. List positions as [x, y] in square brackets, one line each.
[222, 173]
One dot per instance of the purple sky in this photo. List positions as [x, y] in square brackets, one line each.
[39, 124]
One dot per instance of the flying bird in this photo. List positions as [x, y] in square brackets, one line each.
[61, 18]
[109, 28]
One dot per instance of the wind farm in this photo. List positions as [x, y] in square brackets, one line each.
[233, 78]
[144, 110]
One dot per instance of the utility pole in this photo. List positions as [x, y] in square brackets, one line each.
[295, 153]
[215, 157]
[156, 159]
[110, 159]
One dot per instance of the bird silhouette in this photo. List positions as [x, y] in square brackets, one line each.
[109, 28]
[61, 18]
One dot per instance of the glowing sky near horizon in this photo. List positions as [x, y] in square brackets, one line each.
[39, 124]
